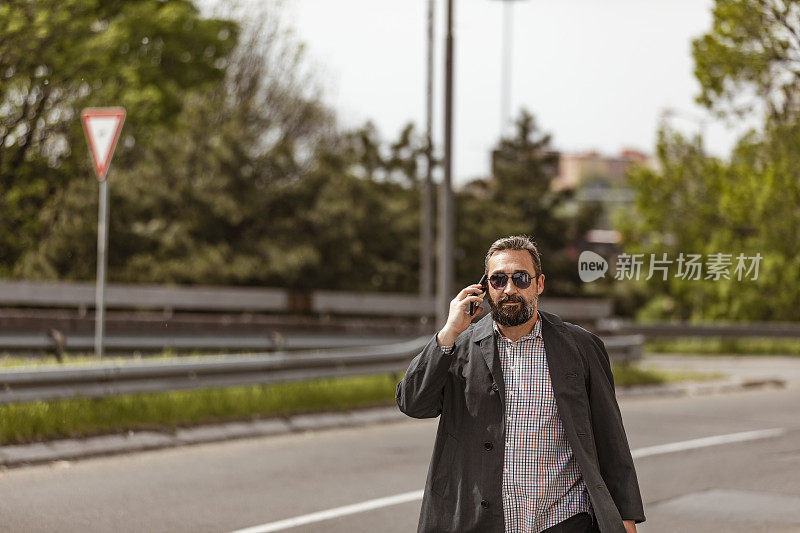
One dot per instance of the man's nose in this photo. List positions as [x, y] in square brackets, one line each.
[510, 288]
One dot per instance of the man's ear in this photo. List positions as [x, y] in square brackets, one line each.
[540, 285]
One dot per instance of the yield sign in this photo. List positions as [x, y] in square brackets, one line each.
[102, 126]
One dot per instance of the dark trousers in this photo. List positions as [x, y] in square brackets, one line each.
[579, 523]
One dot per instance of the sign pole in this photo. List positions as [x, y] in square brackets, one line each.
[102, 244]
[102, 127]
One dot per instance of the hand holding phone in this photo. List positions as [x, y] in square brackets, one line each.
[483, 283]
[459, 315]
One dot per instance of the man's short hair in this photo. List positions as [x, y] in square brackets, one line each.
[515, 242]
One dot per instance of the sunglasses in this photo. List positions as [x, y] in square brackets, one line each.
[521, 279]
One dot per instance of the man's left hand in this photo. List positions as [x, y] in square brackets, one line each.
[630, 526]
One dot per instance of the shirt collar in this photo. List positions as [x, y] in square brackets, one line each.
[536, 332]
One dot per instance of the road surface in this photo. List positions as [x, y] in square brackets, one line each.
[744, 485]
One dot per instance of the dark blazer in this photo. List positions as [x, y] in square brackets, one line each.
[463, 491]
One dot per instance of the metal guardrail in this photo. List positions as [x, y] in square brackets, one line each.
[79, 295]
[132, 296]
[130, 377]
[219, 342]
[624, 348]
[656, 330]
[113, 379]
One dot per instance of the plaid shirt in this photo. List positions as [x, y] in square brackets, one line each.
[542, 484]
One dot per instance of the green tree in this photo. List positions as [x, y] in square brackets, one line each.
[365, 220]
[520, 199]
[219, 201]
[747, 204]
[57, 57]
[701, 205]
[249, 182]
[750, 59]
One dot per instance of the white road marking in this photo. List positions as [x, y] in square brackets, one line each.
[417, 494]
[706, 441]
[334, 513]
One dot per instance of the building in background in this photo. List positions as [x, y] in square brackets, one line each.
[590, 169]
[594, 178]
[602, 180]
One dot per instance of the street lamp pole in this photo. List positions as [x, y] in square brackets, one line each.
[505, 97]
[426, 208]
[446, 215]
[508, 41]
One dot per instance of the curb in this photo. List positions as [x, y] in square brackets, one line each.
[700, 388]
[72, 449]
[139, 441]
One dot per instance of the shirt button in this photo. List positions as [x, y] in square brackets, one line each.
[505, 470]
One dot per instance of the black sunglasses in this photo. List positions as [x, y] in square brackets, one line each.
[521, 279]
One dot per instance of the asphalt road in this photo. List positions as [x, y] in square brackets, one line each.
[740, 486]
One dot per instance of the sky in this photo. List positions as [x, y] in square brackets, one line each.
[597, 75]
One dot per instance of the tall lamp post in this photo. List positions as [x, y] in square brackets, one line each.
[505, 91]
[426, 207]
[446, 200]
[446, 215]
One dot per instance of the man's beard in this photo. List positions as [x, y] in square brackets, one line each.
[512, 315]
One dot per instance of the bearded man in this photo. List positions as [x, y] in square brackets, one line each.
[530, 438]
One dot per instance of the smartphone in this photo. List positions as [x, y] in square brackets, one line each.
[483, 283]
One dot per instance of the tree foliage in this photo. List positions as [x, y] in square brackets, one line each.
[747, 204]
[250, 182]
[519, 199]
[750, 59]
[57, 57]
[699, 205]
[231, 169]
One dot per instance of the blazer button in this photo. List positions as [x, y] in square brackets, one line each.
[488, 446]
[495, 387]
[484, 504]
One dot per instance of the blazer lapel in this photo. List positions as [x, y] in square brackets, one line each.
[483, 335]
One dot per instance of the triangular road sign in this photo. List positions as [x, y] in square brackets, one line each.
[102, 126]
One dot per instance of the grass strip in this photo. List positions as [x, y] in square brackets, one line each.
[80, 417]
[167, 411]
[723, 346]
[629, 375]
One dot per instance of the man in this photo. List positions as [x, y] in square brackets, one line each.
[530, 437]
